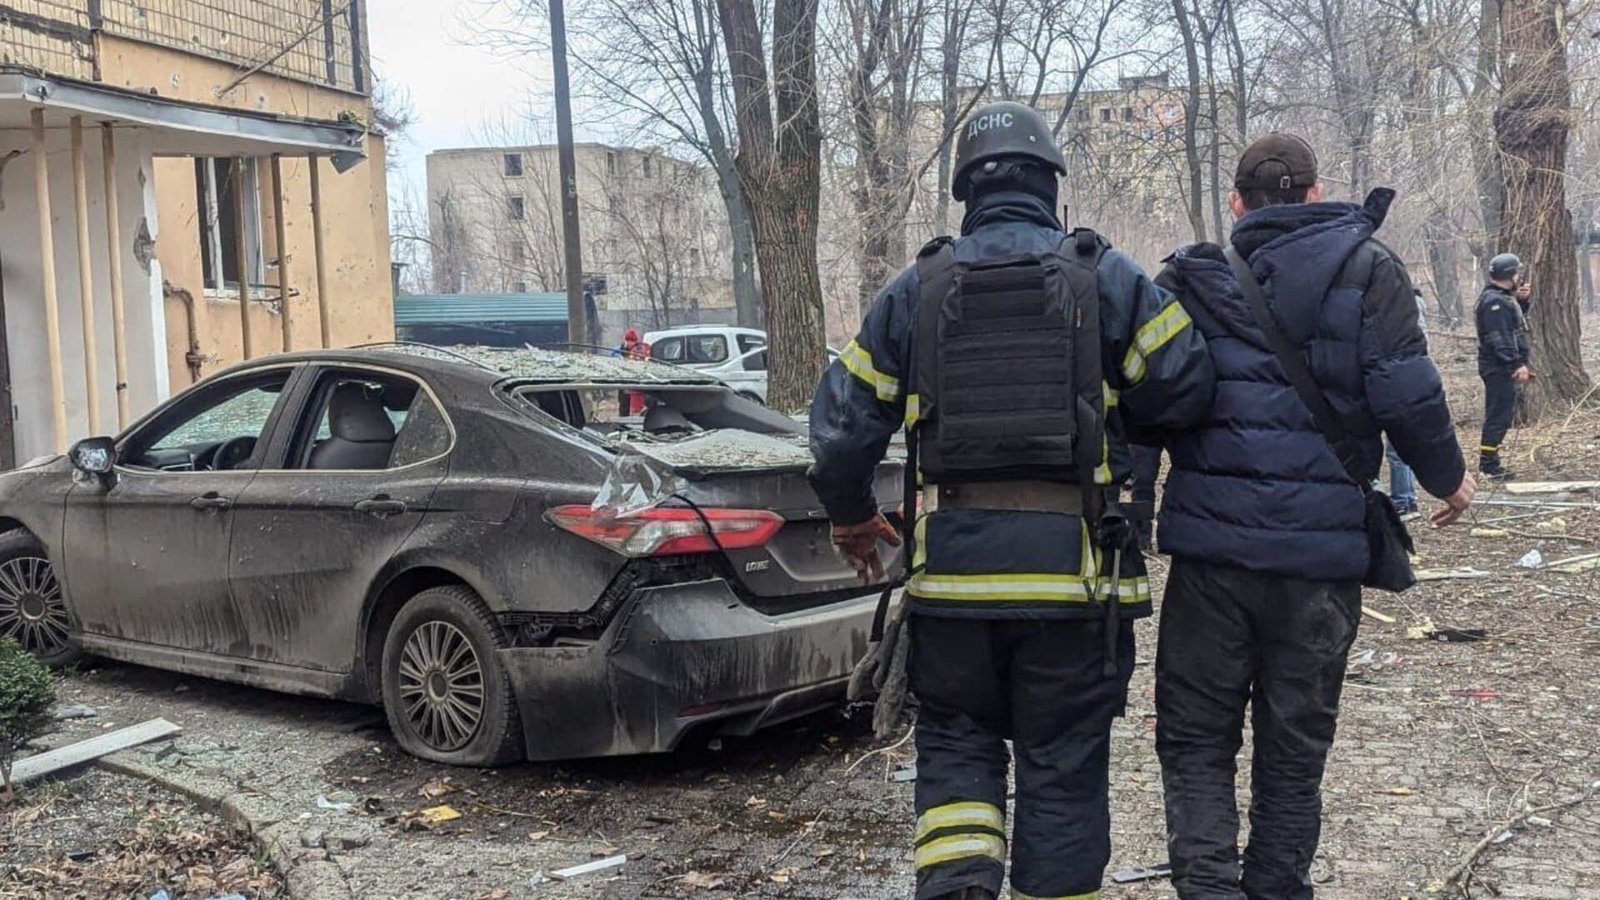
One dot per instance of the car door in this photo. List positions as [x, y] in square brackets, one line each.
[367, 449]
[146, 560]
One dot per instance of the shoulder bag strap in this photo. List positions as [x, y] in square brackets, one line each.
[1323, 414]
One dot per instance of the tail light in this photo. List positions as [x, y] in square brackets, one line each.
[669, 530]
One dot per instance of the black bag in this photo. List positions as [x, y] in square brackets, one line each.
[1387, 539]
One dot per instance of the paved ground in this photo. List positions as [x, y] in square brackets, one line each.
[1440, 745]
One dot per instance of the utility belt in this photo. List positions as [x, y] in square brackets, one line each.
[1031, 495]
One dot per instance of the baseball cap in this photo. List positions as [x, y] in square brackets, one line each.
[1275, 162]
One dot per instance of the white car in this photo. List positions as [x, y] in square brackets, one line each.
[735, 356]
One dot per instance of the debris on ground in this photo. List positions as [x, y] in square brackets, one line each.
[99, 834]
[589, 868]
[91, 749]
[75, 711]
[1374, 614]
[1458, 573]
[1533, 559]
[340, 806]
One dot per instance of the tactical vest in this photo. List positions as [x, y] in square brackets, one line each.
[1008, 364]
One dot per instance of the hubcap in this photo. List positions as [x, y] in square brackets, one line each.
[31, 608]
[441, 685]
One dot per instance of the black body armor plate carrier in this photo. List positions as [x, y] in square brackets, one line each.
[1008, 364]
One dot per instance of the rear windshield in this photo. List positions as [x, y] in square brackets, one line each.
[692, 349]
[612, 415]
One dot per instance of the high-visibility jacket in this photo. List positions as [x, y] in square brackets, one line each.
[1009, 564]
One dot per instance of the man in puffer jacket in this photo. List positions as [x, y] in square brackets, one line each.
[1265, 525]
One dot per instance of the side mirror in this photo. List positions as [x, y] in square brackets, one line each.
[96, 456]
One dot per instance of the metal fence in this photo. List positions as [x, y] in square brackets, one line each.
[318, 41]
[50, 35]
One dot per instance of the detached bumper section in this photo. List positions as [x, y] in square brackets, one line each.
[680, 657]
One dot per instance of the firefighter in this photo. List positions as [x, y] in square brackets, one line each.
[1503, 354]
[1012, 354]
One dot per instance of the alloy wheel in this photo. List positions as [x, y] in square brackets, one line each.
[31, 608]
[441, 685]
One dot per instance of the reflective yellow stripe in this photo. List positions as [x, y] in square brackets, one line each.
[1488, 449]
[1152, 336]
[858, 362]
[967, 814]
[961, 846]
[1102, 472]
[913, 409]
[919, 556]
[1036, 586]
[1018, 895]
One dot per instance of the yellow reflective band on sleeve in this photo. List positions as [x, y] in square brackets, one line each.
[858, 362]
[1102, 472]
[961, 846]
[913, 409]
[1018, 895]
[1021, 587]
[1152, 336]
[967, 814]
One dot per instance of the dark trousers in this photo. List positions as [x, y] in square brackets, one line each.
[1042, 684]
[1500, 404]
[1231, 638]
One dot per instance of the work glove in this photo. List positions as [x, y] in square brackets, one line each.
[858, 544]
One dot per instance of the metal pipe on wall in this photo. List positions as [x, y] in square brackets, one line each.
[47, 276]
[242, 256]
[315, 163]
[91, 353]
[280, 229]
[119, 337]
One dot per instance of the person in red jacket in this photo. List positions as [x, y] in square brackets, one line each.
[633, 347]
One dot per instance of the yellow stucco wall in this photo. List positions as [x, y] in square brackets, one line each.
[355, 241]
[354, 207]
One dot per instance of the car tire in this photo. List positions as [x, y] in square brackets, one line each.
[33, 610]
[445, 693]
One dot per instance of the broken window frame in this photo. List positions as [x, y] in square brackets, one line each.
[216, 222]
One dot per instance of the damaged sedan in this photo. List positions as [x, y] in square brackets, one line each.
[485, 543]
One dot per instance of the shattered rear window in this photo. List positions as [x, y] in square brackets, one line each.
[682, 426]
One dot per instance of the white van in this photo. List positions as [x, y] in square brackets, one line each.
[736, 356]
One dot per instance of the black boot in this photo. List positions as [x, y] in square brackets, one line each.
[1489, 467]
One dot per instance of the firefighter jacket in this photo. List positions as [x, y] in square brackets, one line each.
[1009, 564]
[1502, 333]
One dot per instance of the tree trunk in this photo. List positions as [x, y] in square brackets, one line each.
[1485, 159]
[1531, 129]
[1585, 266]
[1194, 199]
[1444, 258]
[1214, 128]
[779, 161]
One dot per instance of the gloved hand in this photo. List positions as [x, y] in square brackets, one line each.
[858, 544]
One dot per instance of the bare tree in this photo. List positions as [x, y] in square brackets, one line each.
[779, 160]
[1532, 126]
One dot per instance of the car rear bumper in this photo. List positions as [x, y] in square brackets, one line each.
[682, 657]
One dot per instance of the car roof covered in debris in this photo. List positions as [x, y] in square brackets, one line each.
[527, 365]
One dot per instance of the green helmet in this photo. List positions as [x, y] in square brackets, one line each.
[1000, 130]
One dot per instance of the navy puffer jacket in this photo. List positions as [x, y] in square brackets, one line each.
[1257, 486]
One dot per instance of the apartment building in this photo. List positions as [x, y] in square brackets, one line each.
[183, 184]
[654, 231]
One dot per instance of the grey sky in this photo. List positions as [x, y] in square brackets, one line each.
[422, 46]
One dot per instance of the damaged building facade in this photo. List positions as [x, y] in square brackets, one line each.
[150, 154]
[655, 233]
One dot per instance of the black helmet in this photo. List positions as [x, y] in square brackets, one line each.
[1504, 266]
[1000, 130]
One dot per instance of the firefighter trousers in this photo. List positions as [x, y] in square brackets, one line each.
[1231, 638]
[1043, 685]
[1500, 405]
